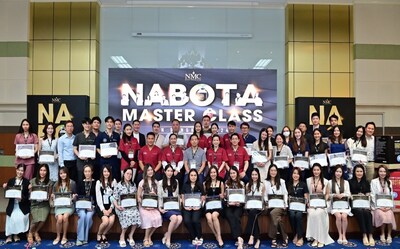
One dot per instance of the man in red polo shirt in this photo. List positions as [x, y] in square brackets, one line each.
[238, 157]
[150, 154]
[227, 137]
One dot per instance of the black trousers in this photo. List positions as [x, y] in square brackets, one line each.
[192, 220]
[252, 227]
[296, 223]
[233, 214]
[72, 170]
[364, 218]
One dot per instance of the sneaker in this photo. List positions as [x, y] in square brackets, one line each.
[195, 241]
[79, 243]
[200, 242]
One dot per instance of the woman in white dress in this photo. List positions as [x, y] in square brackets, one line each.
[49, 143]
[340, 188]
[318, 219]
[263, 144]
[382, 216]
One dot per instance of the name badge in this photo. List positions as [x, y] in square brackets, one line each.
[106, 199]
[193, 164]
[130, 154]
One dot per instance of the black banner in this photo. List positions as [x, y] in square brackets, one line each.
[344, 108]
[57, 109]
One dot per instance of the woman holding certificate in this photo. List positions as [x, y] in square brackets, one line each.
[173, 155]
[65, 189]
[168, 189]
[17, 220]
[337, 144]
[234, 209]
[216, 156]
[26, 146]
[358, 142]
[382, 203]
[282, 156]
[40, 207]
[104, 197]
[297, 190]
[192, 197]
[214, 189]
[86, 192]
[151, 217]
[264, 146]
[129, 147]
[128, 215]
[340, 193]
[318, 219]
[49, 144]
[254, 188]
[300, 150]
[359, 186]
[276, 187]
[319, 152]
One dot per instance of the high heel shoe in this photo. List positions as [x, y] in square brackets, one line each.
[257, 244]
[30, 238]
[37, 237]
[299, 242]
[240, 243]
[98, 238]
[285, 243]
[273, 243]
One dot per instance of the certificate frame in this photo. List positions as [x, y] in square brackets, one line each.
[359, 155]
[340, 204]
[46, 156]
[297, 204]
[171, 203]
[317, 201]
[361, 201]
[108, 149]
[259, 156]
[62, 199]
[39, 193]
[84, 202]
[236, 195]
[87, 151]
[149, 201]
[254, 202]
[128, 200]
[276, 201]
[384, 201]
[13, 192]
[337, 159]
[25, 150]
[281, 162]
[213, 202]
[319, 158]
[301, 162]
[192, 200]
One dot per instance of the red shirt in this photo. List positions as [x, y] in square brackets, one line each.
[152, 156]
[209, 142]
[168, 155]
[218, 157]
[131, 145]
[240, 155]
[203, 143]
[227, 141]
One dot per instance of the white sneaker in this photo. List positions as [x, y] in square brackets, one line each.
[200, 242]
[195, 241]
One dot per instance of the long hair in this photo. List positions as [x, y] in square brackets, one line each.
[363, 180]
[46, 178]
[230, 181]
[317, 130]
[45, 136]
[290, 138]
[277, 177]
[333, 138]
[386, 179]
[201, 130]
[125, 137]
[334, 183]
[146, 187]
[363, 139]
[21, 130]
[67, 180]
[123, 177]
[110, 178]
[251, 182]
[208, 181]
[295, 169]
[303, 141]
[197, 185]
[321, 175]
[263, 144]
[173, 185]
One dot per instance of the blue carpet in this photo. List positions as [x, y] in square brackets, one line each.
[186, 244]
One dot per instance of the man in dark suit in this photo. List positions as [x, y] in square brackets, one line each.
[316, 125]
[136, 134]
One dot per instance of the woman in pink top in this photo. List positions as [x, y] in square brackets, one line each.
[26, 135]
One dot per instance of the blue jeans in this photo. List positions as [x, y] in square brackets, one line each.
[84, 224]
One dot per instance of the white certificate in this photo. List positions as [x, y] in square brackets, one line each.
[84, 202]
[340, 203]
[128, 200]
[236, 195]
[319, 158]
[63, 199]
[171, 203]
[180, 141]
[254, 202]
[39, 193]
[317, 201]
[192, 200]
[46, 156]
[25, 150]
[87, 151]
[249, 149]
[297, 204]
[276, 201]
[384, 201]
[108, 149]
[337, 159]
[13, 192]
[301, 162]
[361, 201]
[359, 155]
[213, 202]
[150, 201]
[259, 157]
[281, 162]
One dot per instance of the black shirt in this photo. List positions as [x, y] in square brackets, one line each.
[297, 190]
[359, 187]
[318, 149]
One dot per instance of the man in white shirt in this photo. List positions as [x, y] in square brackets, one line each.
[159, 139]
[369, 136]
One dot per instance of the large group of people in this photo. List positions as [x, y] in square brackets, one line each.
[203, 174]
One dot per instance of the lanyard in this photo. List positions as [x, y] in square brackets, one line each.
[25, 138]
[194, 153]
[295, 188]
[315, 185]
[50, 141]
[383, 186]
